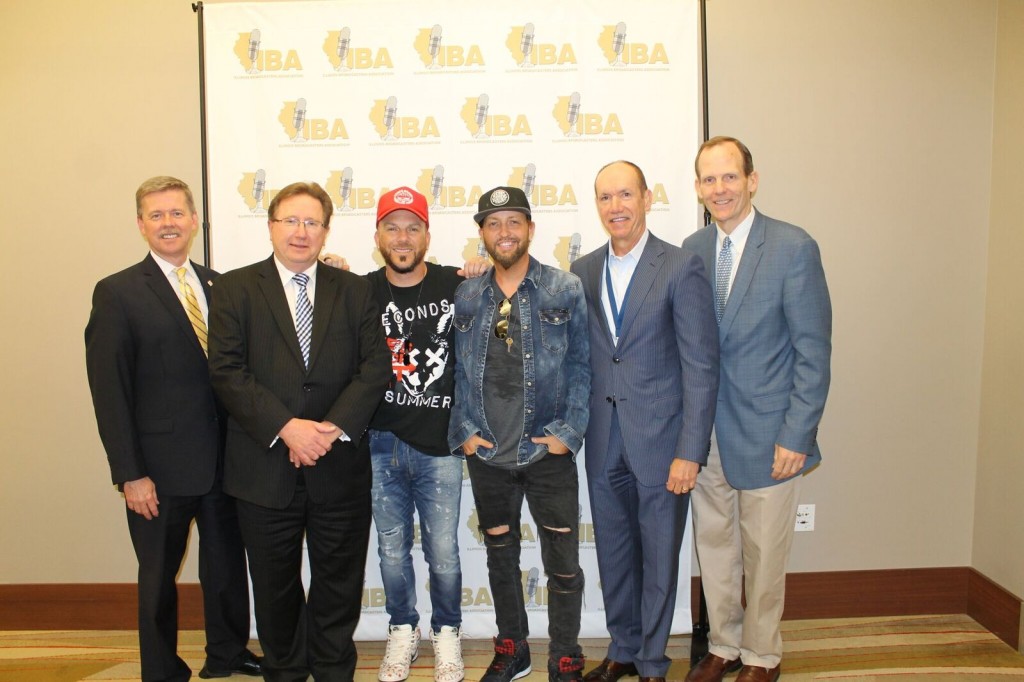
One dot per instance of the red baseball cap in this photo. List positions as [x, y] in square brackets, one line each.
[403, 198]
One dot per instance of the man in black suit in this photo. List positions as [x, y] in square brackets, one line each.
[298, 356]
[159, 423]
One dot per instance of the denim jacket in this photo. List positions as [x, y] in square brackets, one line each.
[556, 361]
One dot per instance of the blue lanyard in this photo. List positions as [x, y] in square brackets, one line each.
[616, 313]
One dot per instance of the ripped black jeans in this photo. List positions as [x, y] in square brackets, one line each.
[551, 488]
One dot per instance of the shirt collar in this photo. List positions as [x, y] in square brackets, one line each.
[635, 252]
[739, 235]
[286, 274]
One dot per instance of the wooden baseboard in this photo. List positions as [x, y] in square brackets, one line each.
[87, 606]
[841, 594]
[901, 592]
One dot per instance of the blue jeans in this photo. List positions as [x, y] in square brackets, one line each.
[404, 477]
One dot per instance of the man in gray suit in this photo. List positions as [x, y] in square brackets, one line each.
[775, 329]
[654, 360]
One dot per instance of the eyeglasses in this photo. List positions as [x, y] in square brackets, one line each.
[501, 327]
[294, 222]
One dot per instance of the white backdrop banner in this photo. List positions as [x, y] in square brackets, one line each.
[453, 98]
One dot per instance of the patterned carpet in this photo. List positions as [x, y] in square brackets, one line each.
[906, 649]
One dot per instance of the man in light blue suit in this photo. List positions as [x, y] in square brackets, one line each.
[775, 330]
[654, 361]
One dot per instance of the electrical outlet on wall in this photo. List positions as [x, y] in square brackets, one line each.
[805, 517]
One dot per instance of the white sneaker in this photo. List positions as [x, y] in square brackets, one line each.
[448, 666]
[402, 650]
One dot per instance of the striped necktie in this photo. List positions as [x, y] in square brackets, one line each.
[722, 273]
[195, 315]
[303, 316]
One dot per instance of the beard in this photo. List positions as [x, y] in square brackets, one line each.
[508, 259]
[404, 264]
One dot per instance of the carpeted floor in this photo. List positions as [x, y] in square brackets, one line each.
[907, 649]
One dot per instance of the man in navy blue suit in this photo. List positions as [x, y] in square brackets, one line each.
[654, 358]
[775, 331]
[163, 431]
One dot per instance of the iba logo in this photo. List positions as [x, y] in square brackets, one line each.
[301, 127]
[482, 123]
[390, 126]
[619, 53]
[430, 183]
[347, 196]
[541, 195]
[254, 192]
[256, 60]
[435, 55]
[528, 52]
[574, 122]
[344, 56]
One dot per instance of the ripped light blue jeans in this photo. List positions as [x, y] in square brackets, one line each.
[404, 477]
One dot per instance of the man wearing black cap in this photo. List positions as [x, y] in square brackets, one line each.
[522, 385]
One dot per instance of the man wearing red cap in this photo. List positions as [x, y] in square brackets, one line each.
[412, 465]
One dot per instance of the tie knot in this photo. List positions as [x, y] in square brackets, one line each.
[726, 243]
[301, 279]
[180, 272]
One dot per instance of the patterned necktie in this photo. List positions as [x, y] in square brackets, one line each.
[722, 272]
[195, 315]
[303, 316]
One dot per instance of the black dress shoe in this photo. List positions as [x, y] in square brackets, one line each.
[610, 671]
[250, 666]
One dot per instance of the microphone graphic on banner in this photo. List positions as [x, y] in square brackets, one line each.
[298, 118]
[573, 114]
[258, 186]
[575, 242]
[390, 111]
[436, 182]
[526, 45]
[529, 177]
[254, 50]
[482, 105]
[619, 42]
[531, 586]
[346, 187]
[435, 46]
[344, 38]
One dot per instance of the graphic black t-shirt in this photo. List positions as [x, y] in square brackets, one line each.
[417, 321]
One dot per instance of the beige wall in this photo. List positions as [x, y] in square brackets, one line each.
[999, 510]
[871, 123]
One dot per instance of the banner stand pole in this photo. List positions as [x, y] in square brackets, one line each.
[701, 626]
[197, 7]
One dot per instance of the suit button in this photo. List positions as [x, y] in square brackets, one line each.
[608, 398]
[307, 388]
[616, 360]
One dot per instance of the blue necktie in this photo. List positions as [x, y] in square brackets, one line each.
[303, 316]
[722, 272]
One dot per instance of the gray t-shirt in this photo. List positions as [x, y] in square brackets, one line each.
[504, 406]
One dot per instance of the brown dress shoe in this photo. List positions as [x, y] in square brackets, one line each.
[755, 673]
[712, 668]
[610, 671]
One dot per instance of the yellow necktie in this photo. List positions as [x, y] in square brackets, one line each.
[195, 315]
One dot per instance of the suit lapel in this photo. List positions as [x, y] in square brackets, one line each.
[273, 292]
[593, 272]
[327, 290]
[158, 283]
[646, 272]
[744, 274]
